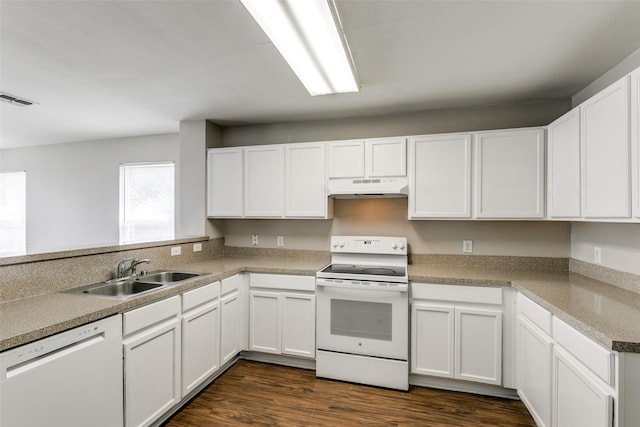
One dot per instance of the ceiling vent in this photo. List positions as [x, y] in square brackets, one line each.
[21, 102]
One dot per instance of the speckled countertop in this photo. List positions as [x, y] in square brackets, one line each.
[607, 314]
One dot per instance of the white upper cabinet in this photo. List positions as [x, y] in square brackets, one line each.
[346, 159]
[306, 181]
[606, 153]
[373, 158]
[635, 141]
[385, 157]
[264, 181]
[440, 176]
[509, 174]
[563, 166]
[225, 182]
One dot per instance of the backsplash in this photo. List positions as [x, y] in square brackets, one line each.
[37, 275]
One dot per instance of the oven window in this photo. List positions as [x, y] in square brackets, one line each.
[361, 319]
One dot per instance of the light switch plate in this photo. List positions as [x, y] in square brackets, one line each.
[467, 246]
[597, 255]
[176, 250]
[197, 247]
[280, 241]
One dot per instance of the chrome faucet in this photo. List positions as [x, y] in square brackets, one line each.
[123, 271]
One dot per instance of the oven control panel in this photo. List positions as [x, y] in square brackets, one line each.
[369, 245]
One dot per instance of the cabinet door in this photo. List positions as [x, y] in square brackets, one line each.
[305, 181]
[385, 157]
[299, 325]
[478, 337]
[230, 324]
[606, 153]
[579, 400]
[224, 182]
[509, 174]
[432, 339]
[534, 364]
[264, 181]
[346, 159]
[635, 141]
[264, 321]
[200, 345]
[440, 176]
[563, 166]
[152, 373]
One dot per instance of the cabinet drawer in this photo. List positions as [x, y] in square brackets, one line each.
[230, 284]
[538, 315]
[151, 314]
[200, 296]
[282, 281]
[591, 354]
[471, 294]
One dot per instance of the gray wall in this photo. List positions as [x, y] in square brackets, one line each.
[73, 189]
[389, 217]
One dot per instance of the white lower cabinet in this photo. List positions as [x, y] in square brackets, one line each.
[564, 378]
[457, 338]
[231, 321]
[200, 335]
[579, 398]
[282, 315]
[535, 364]
[151, 361]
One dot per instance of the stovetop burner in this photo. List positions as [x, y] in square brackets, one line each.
[391, 271]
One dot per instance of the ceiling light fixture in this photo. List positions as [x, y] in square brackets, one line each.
[15, 100]
[309, 36]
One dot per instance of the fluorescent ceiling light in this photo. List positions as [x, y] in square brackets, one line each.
[309, 36]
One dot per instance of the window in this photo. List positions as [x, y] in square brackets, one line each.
[13, 213]
[147, 202]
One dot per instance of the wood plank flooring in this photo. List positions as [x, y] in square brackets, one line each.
[263, 394]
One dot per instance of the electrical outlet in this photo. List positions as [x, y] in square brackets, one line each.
[597, 255]
[176, 250]
[254, 240]
[467, 246]
[280, 241]
[197, 247]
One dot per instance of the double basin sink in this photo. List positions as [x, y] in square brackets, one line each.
[129, 287]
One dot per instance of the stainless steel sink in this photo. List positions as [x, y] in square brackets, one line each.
[122, 288]
[130, 287]
[168, 276]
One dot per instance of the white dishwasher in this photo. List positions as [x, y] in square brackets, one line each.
[70, 379]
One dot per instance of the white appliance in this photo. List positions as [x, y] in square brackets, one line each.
[70, 379]
[362, 314]
[350, 188]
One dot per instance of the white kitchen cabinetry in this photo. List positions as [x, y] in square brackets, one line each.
[456, 332]
[264, 181]
[579, 398]
[635, 141]
[606, 153]
[440, 176]
[372, 158]
[534, 357]
[200, 335]
[225, 182]
[509, 174]
[231, 318]
[152, 353]
[282, 315]
[306, 181]
[563, 166]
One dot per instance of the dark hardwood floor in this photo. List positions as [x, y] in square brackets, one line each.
[264, 394]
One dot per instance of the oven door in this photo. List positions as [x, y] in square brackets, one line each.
[362, 319]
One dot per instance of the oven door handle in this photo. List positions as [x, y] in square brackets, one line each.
[375, 287]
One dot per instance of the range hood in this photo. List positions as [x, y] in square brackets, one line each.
[351, 188]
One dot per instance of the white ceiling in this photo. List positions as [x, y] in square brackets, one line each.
[105, 69]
